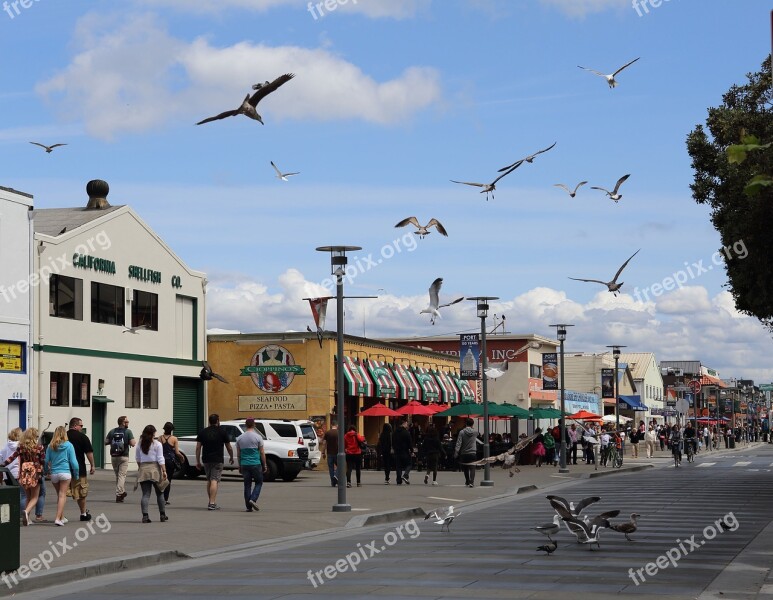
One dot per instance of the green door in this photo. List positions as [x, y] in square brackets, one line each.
[98, 433]
[187, 405]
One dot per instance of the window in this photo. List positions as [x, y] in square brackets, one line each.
[81, 389]
[141, 393]
[150, 393]
[535, 371]
[145, 309]
[286, 430]
[65, 297]
[133, 390]
[107, 304]
[60, 389]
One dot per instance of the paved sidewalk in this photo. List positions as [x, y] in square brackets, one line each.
[287, 509]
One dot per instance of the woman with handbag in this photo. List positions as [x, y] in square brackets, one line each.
[151, 473]
[354, 444]
[538, 447]
[61, 463]
[32, 459]
[173, 458]
[385, 451]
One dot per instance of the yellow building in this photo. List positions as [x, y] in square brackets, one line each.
[292, 376]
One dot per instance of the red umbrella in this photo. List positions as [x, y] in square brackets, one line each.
[379, 410]
[415, 408]
[439, 407]
[584, 415]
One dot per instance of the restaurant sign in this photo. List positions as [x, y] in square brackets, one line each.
[272, 403]
[272, 369]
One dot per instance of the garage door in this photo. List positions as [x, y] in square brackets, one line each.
[188, 406]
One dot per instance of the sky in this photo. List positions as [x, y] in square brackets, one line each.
[391, 101]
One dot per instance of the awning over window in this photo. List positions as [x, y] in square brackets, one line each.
[709, 380]
[386, 386]
[632, 403]
[101, 399]
[429, 386]
[464, 388]
[357, 379]
[409, 386]
[447, 387]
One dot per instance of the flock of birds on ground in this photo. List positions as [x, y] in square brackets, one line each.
[248, 108]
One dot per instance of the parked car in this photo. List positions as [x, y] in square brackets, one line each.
[286, 457]
[309, 432]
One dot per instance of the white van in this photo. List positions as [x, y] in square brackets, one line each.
[309, 431]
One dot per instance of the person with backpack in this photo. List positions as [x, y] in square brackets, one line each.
[172, 455]
[120, 440]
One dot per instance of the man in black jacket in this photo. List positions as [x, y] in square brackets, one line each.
[403, 447]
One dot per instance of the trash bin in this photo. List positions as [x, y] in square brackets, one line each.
[732, 441]
[10, 513]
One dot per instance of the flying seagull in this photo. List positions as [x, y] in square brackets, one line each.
[48, 149]
[207, 373]
[249, 104]
[549, 529]
[627, 528]
[488, 188]
[134, 330]
[509, 458]
[610, 78]
[573, 509]
[283, 176]
[613, 195]
[439, 513]
[612, 286]
[587, 532]
[572, 193]
[496, 370]
[529, 159]
[423, 230]
[549, 548]
[434, 300]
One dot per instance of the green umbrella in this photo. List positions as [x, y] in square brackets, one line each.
[544, 413]
[463, 409]
[514, 411]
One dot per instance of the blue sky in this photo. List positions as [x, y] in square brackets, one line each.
[391, 100]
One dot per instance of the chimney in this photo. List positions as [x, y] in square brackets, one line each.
[97, 191]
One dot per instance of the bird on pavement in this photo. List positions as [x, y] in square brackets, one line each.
[439, 513]
[549, 548]
[434, 300]
[422, 230]
[250, 103]
[529, 159]
[283, 176]
[573, 509]
[572, 193]
[488, 188]
[626, 528]
[48, 149]
[588, 531]
[134, 330]
[207, 373]
[549, 529]
[613, 195]
[446, 521]
[611, 77]
[612, 286]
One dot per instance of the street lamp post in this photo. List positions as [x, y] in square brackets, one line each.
[561, 333]
[615, 387]
[482, 302]
[338, 268]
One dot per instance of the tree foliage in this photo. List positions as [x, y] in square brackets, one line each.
[733, 166]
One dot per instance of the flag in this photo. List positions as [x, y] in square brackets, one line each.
[319, 310]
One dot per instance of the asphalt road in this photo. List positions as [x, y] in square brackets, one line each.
[490, 551]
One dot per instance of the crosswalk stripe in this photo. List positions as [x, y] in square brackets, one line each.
[707, 464]
[742, 463]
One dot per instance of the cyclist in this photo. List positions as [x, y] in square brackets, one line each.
[675, 441]
[690, 442]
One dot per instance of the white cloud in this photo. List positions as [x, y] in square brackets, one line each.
[581, 8]
[136, 77]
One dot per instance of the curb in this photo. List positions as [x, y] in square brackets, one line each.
[95, 568]
[613, 472]
[384, 517]
[526, 488]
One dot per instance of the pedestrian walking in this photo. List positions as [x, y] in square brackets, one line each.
[550, 447]
[79, 488]
[385, 451]
[173, 458]
[252, 464]
[649, 441]
[634, 440]
[538, 446]
[353, 446]
[62, 467]
[151, 472]
[211, 442]
[10, 447]
[120, 440]
[403, 446]
[574, 440]
[32, 459]
[433, 450]
[467, 451]
[331, 452]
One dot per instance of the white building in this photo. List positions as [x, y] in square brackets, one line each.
[119, 323]
[648, 381]
[15, 308]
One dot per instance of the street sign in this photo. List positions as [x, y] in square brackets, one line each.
[695, 386]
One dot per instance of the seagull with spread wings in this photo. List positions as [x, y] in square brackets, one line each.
[249, 105]
[561, 505]
[207, 373]
[488, 188]
[613, 195]
[572, 193]
[588, 531]
[439, 513]
[434, 300]
[612, 286]
[422, 230]
[283, 176]
[611, 77]
[48, 149]
[508, 459]
[529, 159]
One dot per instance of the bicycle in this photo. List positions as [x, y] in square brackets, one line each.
[676, 449]
[690, 449]
[614, 457]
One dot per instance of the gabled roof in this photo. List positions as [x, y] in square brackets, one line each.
[51, 221]
[638, 362]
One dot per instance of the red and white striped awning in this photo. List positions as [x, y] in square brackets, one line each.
[386, 386]
[429, 386]
[447, 387]
[409, 386]
[358, 381]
